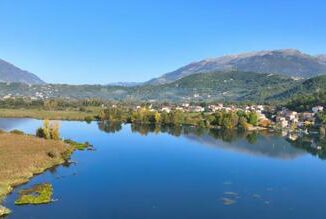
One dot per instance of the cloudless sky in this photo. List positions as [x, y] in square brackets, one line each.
[103, 41]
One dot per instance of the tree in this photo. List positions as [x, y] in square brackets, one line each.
[49, 130]
[218, 119]
[54, 131]
[253, 118]
[230, 120]
[46, 129]
[40, 133]
[157, 117]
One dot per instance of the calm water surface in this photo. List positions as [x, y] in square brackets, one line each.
[149, 173]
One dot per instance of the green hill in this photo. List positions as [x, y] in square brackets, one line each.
[227, 86]
[306, 95]
[309, 86]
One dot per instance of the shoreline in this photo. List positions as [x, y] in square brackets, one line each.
[36, 157]
[68, 115]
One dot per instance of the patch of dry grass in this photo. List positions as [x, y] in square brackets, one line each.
[22, 156]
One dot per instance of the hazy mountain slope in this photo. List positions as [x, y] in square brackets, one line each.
[322, 58]
[11, 73]
[125, 84]
[229, 86]
[287, 62]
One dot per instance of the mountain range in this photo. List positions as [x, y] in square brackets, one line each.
[226, 86]
[11, 73]
[256, 76]
[289, 62]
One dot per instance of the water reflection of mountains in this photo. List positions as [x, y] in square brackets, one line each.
[263, 144]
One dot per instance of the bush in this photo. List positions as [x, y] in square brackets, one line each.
[17, 132]
[46, 129]
[88, 119]
[40, 133]
[49, 130]
[54, 131]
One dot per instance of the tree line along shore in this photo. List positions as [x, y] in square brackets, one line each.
[243, 115]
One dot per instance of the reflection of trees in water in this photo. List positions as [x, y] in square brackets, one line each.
[265, 144]
[155, 128]
[110, 127]
[314, 144]
[225, 135]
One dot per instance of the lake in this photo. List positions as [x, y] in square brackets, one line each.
[143, 172]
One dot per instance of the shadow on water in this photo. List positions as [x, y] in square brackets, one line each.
[8, 124]
[264, 143]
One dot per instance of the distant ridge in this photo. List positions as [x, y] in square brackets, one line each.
[288, 62]
[125, 84]
[11, 73]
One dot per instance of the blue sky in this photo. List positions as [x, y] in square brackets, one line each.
[103, 41]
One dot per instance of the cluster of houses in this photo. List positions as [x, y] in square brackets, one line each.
[284, 119]
[186, 107]
[292, 119]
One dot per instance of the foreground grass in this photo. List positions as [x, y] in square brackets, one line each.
[53, 115]
[23, 156]
[39, 194]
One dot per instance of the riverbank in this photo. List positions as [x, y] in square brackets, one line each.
[52, 115]
[23, 156]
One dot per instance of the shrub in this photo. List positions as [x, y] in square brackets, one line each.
[40, 133]
[46, 129]
[17, 132]
[49, 130]
[253, 118]
[54, 131]
[88, 119]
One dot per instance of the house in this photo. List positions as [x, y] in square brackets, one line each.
[166, 109]
[196, 95]
[292, 116]
[197, 109]
[317, 109]
[306, 116]
[186, 105]
[7, 97]
[180, 108]
[282, 121]
[214, 108]
[260, 107]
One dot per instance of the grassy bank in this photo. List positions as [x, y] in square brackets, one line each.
[45, 114]
[24, 156]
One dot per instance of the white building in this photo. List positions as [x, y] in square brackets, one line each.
[317, 109]
[166, 109]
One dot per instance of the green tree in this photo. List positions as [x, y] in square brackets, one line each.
[46, 129]
[253, 118]
[230, 120]
[54, 131]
